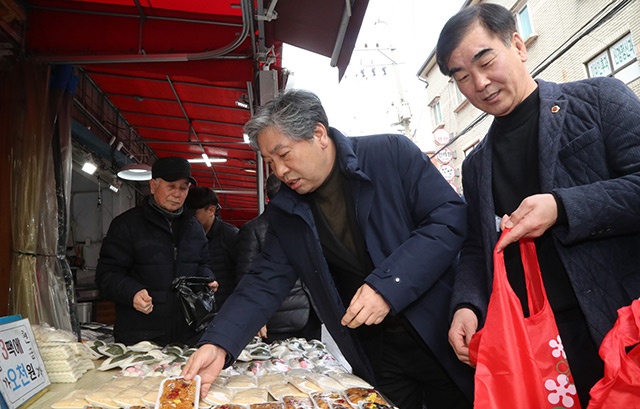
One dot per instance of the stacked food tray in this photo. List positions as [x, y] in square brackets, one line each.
[291, 374]
[65, 359]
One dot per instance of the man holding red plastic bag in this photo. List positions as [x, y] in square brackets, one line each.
[559, 167]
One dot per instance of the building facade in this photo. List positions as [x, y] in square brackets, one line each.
[566, 41]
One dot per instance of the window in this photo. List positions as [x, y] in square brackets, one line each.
[458, 96]
[436, 114]
[525, 25]
[619, 60]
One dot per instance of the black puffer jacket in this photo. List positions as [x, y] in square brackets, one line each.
[221, 237]
[143, 251]
[294, 311]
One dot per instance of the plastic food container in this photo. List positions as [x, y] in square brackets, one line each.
[179, 393]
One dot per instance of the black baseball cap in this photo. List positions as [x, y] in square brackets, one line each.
[172, 168]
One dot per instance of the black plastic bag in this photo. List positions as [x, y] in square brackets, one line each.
[196, 299]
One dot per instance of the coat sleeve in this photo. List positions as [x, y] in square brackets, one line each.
[113, 272]
[600, 190]
[471, 288]
[260, 293]
[422, 202]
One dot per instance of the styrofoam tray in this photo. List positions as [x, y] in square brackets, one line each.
[179, 382]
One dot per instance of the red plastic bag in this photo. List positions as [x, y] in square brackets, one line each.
[620, 386]
[520, 362]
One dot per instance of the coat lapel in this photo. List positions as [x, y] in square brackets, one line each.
[487, 206]
[361, 188]
[363, 198]
[552, 116]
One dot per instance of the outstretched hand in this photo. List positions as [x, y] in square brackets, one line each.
[207, 362]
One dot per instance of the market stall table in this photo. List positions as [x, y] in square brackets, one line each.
[263, 376]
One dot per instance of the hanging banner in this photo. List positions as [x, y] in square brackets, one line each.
[22, 372]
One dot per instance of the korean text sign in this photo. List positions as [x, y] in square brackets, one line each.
[22, 372]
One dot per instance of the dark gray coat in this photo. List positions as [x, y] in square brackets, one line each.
[590, 157]
[141, 251]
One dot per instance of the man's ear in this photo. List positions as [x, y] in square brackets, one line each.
[152, 185]
[518, 42]
[320, 132]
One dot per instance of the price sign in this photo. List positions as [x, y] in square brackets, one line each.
[22, 372]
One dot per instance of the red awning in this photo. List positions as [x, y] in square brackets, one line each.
[174, 70]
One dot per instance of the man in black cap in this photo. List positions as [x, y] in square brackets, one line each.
[145, 249]
[205, 203]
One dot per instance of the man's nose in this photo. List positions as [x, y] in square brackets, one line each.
[279, 169]
[480, 82]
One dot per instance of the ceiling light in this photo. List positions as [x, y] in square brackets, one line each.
[211, 160]
[206, 160]
[115, 185]
[243, 102]
[89, 168]
[245, 137]
[249, 170]
[135, 171]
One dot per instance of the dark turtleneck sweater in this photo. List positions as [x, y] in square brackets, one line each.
[343, 244]
[340, 235]
[516, 175]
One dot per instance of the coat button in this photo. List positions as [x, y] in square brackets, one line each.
[397, 280]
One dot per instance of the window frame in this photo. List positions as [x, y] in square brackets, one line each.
[437, 117]
[470, 147]
[608, 54]
[519, 17]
